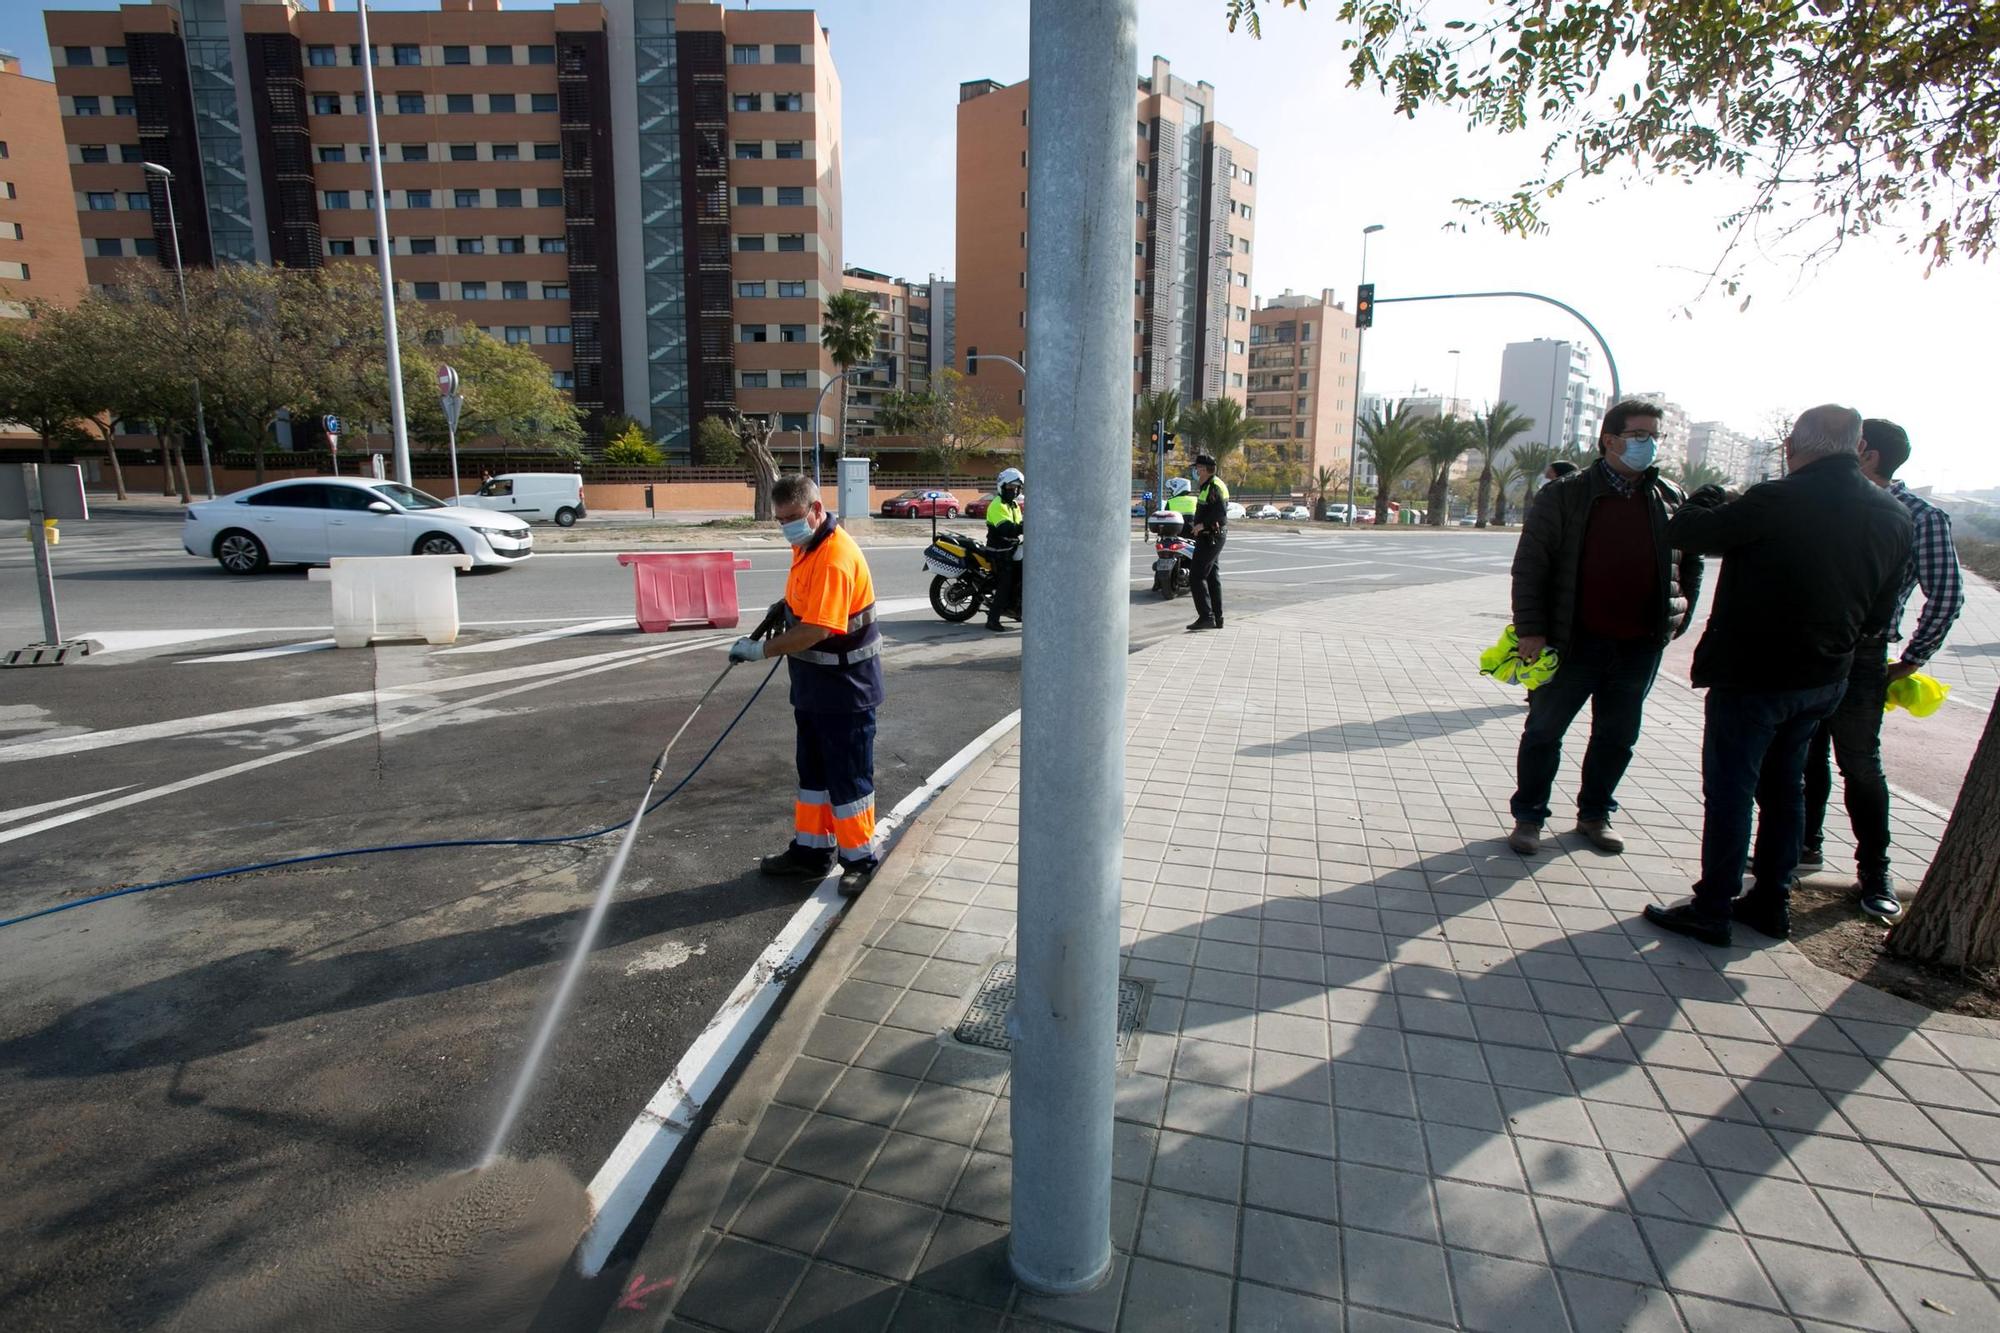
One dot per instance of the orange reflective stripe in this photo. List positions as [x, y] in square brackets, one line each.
[855, 830]
[812, 818]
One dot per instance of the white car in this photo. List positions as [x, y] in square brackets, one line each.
[1299, 513]
[555, 497]
[1233, 509]
[1266, 511]
[311, 520]
[1336, 512]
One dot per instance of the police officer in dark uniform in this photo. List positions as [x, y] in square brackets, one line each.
[1003, 534]
[1211, 519]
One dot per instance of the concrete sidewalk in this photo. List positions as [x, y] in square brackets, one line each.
[1391, 1076]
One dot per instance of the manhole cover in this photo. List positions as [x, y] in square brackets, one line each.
[985, 1021]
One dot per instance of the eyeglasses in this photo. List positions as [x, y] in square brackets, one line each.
[1634, 436]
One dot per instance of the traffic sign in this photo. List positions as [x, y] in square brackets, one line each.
[452, 405]
[447, 382]
[331, 424]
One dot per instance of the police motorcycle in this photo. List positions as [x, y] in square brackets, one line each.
[1173, 545]
[965, 572]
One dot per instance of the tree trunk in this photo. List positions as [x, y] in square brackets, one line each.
[764, 467]
[1440, 499]
[1955, 919]
[1500, 508]
[259, 456]
[117, 470]
[1485, 492]
[180, 476]
[1381, 502]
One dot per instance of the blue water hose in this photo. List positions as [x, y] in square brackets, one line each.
[669, 795]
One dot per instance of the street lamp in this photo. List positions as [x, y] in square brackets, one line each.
[1354, 441]
[1456, 363]
[398, 429]
[820, 402]
[180, 284]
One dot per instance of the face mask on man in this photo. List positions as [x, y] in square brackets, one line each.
[799, 530]
[1640, 452]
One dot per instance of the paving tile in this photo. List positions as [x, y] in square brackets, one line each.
[1096, 1310]
[1262, 1309]
[1212, 1062]
[1564, 1171]
[1290, 1182]
[1183, 1229]
[1823, 1285]
[923, 1312]
[984, 1187]
[1394, 1201]
[1362, 1087]
[831, 1300]
[1392, 1273]
[941, 1112]
[1598, 1303]
[922, 1012]
[894, 1051]
[1707, 1262]
[839, 1150]
[870, 1095]
[774, 1130]
[1379, 1140]
[1840, 1163]
[741, 1286]
[789, 1210]
[1496, 1221]
[1193, 1164]
[1895, 1121]
[1978, 1236]
[1306, 1078]
[921, 1170]
[1603, 1241]
[1782, 1208]
[1707, 1316]
[1541, 1071]
[1173, 1299]
[1141, 1098]
[1972, 1304]
[881, 1236]
[1281, 1122]
[1456, 1101]
[967, 1260]
[1291, 1252]
[968, 1067]
[808, 1079]
[1480, 1156]
[1942, 1180]
[1502, 1295]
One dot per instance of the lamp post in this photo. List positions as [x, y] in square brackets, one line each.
[1456, 363]
[820, 402]
[1354, 441]
[398, 428]
[180, 285]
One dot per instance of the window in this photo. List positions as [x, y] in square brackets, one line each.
[93, 152]
[545, 102]
[423, 245]
[409, 104]
[751, 150]
[513, 245]
[517, 333]
[506, 198]
[1305, 379]
[541, 55]
[472, 291]
[499, 55]
[500, 103]
[139, 201]
[127, 152]
[79, 55]
[749, 291]
[786, 55]
[416, 152]
[1242, 245]
[1246, 210]
[345, 247]
[750, 244]
[326, 104]
[796, 241]
[791, 289]
[85, 106]
[788, 102]
[114, 55]
[472, 245]
[555, 333]
[753, 333]
[548, 196]
[336, 199]
[465, 198]
[321, 57]
[555, 291]
[416, 198]
[458, 55]
[792, 379]
[144, 246]
[1306, 332]
[407, 55]
[332, 153]
[548, 152]
[1235, 381]
[1142, 171]
[426, 291]
[458, 104]
[109, 247]
[124, 106]
[749, 194]
[1241, 279]
[1241, 313]
[791, 194]
[1237, 346]
[756, 379]
[791, 333]
[1248, 179]
[563, 379]
[552, 245]
[743, 55]
[791, 148]
[747, 102]
[1302, 405]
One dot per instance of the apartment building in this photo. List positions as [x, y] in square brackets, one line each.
[1741, 459]
[1549, 382]
[41, 253]
[1299, 377]
[903, 344]
[646, 192]
[1673, 428]
[1194, 225]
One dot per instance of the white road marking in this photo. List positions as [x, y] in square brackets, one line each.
[258, 654]
[127, 640]
[26, 811]
[652, 1139]
[1227, 572]
[543, 636]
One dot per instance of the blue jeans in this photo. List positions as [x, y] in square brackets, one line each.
[1751, 736]
[1614, 677]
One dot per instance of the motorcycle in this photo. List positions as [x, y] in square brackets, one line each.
[1173, 554]
[964, 576]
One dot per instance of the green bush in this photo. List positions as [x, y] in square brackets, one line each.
[633, 449]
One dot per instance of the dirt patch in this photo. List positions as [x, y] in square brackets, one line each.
[1981, 557]
[1829, 929]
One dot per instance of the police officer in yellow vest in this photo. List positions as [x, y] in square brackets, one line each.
[1211, 518]
[1180, 499]
[1003, 537]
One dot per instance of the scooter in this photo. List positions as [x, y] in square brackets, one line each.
[1173, 554]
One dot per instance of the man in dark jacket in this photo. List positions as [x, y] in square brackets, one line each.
[1595, 577]
[1811, 564]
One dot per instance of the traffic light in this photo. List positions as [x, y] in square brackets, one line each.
[1170, 439]
[1364, 306]
[1156, 434]
[972, 360]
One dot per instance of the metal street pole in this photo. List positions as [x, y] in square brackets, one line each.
[1354, 439]
[398, 428]
[820, 402]
[180, 285]
[38, 538]
[1081, 58]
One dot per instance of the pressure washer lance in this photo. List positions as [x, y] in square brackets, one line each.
[587, 940]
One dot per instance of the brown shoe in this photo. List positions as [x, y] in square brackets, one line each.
[1597, 832]
[1526, 839]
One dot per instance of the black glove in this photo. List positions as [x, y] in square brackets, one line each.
[1710, 496]
[772, 623]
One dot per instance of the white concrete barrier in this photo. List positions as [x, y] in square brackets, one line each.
[394, 597]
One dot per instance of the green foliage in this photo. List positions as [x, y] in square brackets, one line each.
[1392, 445]
[1446, 440]
[716, 443]
[1491, 436]
[1694, 476]
[1150, 410]
[633, 449]
[1216, 426]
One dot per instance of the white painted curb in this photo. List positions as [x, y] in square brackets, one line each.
[627, 1176]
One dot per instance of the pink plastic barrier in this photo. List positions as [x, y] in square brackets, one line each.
[685, 589]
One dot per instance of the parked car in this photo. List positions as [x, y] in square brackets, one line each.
[313, 520]
[1233, 509]
[1299, 513]
[922, 504]
[1265, 511]
[555, 497]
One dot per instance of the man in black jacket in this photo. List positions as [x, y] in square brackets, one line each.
[1595, 577]
[1811, 564]
[1211, 529]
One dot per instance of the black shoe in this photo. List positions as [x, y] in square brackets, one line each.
[1204, 623]
[1766, 910]
[1218, 622]
[1878, 897]
[1811, 857]
[789, 865]
[1689, 920]
[854, 879]
[997, 626]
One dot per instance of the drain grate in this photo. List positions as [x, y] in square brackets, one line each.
[985, 1021]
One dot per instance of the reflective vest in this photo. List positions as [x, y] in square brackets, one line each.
[830, 586]
[1000, 512]
[1182, 504]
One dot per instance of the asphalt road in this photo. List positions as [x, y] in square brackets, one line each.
[188, 1075]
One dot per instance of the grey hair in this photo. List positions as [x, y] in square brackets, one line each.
[1824, 431]
[796, 489]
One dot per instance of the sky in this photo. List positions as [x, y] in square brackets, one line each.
[1866, 328]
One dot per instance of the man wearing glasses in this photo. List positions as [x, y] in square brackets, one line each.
[1596, 579]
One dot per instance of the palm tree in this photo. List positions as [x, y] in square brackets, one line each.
[1216, 426]
[1445, 439]
[1324, 482]
[1533, 459]
[1694, 476]
[847, 331]
[1491, 434]
[1150, 411]
[1392, 445]
[1505, 473]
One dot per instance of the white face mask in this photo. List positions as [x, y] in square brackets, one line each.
[800, 530]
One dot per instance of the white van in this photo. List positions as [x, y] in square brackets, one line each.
[535, 496]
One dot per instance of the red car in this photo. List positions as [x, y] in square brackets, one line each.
[922, 504]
